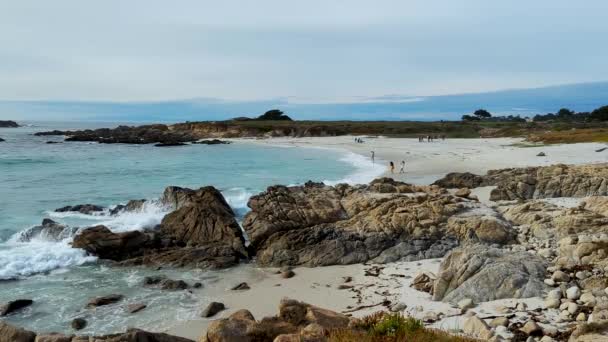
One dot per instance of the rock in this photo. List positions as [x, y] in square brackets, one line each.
[78, 323]
[2, 140]
[573, 293]
[485, 228]
[48, 230]
[14, 306]
[597, 204]
[146, 134]
[105, 300]
[499, 321]
[385, 221]
[8, 124]
[547, 339]
[201, 217]
[241, 286]
[197, 285]
[521, 306]
[581, 317]
[549, 282]
[86, 209]
[423, 282]
[572, 308]
[431, 317]
[560, 276]
[211, 142]
[296, 321]
[484, 273]
[465, 304]
[134, 308]
[105, 244]
[588, 299]
[552, 303]
[9, 333]
[398, 307]
[170, 284]
[531, 328]
[477, 327]
[287, 274]
[463, 192]
[548, 181]
[212, 309]
[460, 180]
[243, 314]
[53, 337]
[541, 154]
[132, 205]
[581, 275]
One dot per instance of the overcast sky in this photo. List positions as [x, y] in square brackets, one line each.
[306, 51]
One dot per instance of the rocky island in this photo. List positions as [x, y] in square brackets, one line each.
[8, 124]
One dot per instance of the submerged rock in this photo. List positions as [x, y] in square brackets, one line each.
[212, 309]
[78, 323]
[13, 306]
[132, 205]
[105, 300]
[47, 230]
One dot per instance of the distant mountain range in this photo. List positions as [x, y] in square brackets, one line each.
[524, 102]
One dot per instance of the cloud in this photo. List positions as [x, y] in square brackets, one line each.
[319, 50]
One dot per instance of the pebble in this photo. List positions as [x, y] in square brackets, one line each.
[499, 321]
[555, 294]
[399, 307]
[573, 293]
[581, 317]
[552, 303]
[560, 276]
[547, 339]
[582, 275]
[530, 327]
[588, 298]
[549, 282]
[572, 308]
[564, 315]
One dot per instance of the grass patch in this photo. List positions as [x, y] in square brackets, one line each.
[386, 327]
[572, 136]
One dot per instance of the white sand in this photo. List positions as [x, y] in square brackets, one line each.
[425, 162]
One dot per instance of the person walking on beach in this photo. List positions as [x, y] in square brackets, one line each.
[402, 169]
[392, 166]
[373, 157]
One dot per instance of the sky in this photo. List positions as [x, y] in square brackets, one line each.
[298, 51]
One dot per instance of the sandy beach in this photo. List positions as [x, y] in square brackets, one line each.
[425, 162]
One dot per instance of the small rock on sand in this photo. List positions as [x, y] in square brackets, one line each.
[137, 307]
[212, 309]
[241, 286]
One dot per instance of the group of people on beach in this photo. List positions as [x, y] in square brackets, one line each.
[430, 138]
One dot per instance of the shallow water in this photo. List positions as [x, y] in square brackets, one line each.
[36, 178]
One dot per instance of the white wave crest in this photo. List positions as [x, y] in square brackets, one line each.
[24, 259]
[237, 198]
[366, 170]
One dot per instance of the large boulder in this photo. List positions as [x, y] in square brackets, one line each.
[201, 217]
[102, 242]
[315, 224]
[481, 228]
[483, 273]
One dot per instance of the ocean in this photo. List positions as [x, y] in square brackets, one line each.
[36, 178]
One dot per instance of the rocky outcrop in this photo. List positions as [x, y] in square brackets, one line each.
[8, 124]
[597, 204]
[127, 135]
[132, 205]
[86, 209]
[201, 217]
[481, 228]
[484, 273]
[536, 182]
[200, 232]
[9, 333]
[212, 142]
[384, 221]
[47, 230]
[296, 321]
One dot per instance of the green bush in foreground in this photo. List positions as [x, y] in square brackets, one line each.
[385, 327]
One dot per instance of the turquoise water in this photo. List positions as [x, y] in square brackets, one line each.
[36, 178]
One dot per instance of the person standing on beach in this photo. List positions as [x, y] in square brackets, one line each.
[373, 157]
[392, 166]
[402, 169]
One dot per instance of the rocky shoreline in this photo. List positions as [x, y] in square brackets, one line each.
[518, 246]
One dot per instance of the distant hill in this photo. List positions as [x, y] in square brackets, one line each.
[524, 102]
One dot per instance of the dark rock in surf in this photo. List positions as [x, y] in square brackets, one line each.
[48, 230]
[78, 323]
[135, 308]
[104, 300]
[170, 284]
[212, 309]
[49, 133]
[169, 144]
[14, 306]
[86, 209]
[102, 242]
[54, 142]
[146, 134]
[1, 140]
[8, 124]
[132, 205]
[212, 142]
